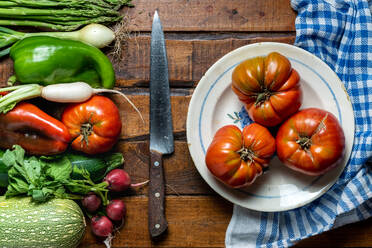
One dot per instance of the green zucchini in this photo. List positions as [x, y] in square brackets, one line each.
[56, 223]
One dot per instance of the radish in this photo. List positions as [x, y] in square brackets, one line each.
[118, 180]
[115, 210]
[63, 93]
[102, 226]
[91, 202]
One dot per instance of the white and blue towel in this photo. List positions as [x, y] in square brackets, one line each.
[339, 33]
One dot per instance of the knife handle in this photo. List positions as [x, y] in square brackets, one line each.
[157, 222]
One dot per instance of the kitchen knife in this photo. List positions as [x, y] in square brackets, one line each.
[161, 130]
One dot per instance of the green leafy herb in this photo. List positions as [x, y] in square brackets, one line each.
[47, 177]
[236, 118]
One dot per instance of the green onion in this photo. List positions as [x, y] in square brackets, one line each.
[93, 34]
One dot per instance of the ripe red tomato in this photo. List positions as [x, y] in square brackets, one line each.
[269, 88]
[94, 125]
[311, 141]
[237, 158]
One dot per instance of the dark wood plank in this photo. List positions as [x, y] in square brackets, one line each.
[202, 221]
[181, 176]
[213, 15]
[194, 221]
[133, 125]
[188, 59]
[6, 70]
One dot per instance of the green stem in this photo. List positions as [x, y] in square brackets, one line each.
[262, 97]
[58, 25]
[9, 36]
[47, 18]
[4, 52]
[74, 197]
[37, 24]
[7, 40]
[48, 3]
[19, 93]
[7, 4]
[10, 31]
[61, 12]
[13, 88]
[101, 19]
[100, 3]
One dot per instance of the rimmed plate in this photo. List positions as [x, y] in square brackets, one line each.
[213, 103]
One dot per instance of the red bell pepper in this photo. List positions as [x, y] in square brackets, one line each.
[34, 130]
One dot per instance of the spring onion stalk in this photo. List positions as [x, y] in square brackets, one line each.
[93, 34]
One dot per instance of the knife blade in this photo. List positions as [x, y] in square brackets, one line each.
[161, 129]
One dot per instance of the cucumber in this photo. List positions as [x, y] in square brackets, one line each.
[3, 171]
[56, 223]
[97, 166]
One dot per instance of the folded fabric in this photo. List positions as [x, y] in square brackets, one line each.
[339, 33]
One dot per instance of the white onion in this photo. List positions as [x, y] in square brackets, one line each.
[96, 35]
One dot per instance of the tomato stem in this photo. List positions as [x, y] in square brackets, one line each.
[245, 154]
[262, 97]
[304, 142]
[86, 130]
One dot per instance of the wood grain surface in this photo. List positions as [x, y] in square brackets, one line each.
[198, 33]
[193, 222]
[217, 15]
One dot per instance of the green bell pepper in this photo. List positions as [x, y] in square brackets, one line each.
[47, 60]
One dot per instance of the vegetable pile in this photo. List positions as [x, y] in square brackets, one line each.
[310, 141]
[60, 15]
[49, 163]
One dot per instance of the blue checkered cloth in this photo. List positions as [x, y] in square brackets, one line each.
[340, 33]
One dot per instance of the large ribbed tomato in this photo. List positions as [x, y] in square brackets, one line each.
[94, 125]
[269, 88]
[237, 158]
[311, 141]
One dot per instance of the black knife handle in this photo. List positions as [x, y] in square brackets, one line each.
[157, 222]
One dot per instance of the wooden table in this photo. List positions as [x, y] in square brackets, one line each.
[197, 32]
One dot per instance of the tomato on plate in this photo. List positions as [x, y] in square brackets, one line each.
[311, 141]
[238, 157]
[269, 88]
[94, 125]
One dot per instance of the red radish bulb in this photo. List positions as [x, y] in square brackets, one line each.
[118, 180]
[91, 202]
[115, 210]
[102, 226]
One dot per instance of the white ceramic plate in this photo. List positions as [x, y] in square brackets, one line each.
[281, 188]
